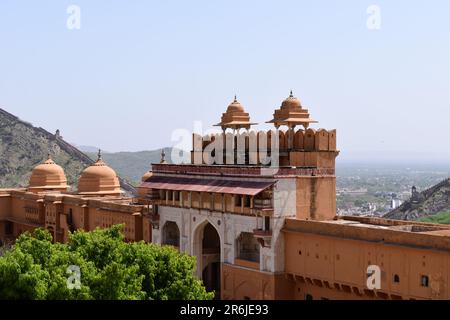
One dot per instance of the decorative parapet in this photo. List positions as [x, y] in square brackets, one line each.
[230, 170]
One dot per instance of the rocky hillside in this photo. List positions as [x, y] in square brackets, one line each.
[423, 204]
[23, 146]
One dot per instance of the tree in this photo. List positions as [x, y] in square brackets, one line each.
[110, 269]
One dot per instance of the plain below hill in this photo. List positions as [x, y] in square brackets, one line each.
[24, 146]
[430, 202]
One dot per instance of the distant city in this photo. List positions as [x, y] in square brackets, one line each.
[365, 189]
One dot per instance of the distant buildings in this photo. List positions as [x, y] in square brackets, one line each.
[395, 203]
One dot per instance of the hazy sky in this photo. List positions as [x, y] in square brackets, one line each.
[137, 70]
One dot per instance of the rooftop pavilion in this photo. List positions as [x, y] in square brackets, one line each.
[291, 113]
[302, 148]
[235, 117]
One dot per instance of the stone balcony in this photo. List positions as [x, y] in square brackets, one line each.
[263, 204]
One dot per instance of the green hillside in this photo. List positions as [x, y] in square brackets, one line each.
[442, 218]
[23, 146]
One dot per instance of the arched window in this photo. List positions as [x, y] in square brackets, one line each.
[396, 278]
[248, 247]
[171, 234]
[424, 281]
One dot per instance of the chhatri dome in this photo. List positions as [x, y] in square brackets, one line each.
[149, 173]
[147, 176]
[48, 176]
[235, 117]
[291, 113]
[99, 179]
[142, 192]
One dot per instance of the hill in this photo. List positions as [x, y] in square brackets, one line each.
[424, 204]
[87, 149]
[132, 165]
[23, 146]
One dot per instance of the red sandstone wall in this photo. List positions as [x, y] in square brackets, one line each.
[244, 284]
[325, 200]
[107, 218]
[5, 206]
[316, 198]
[345, 262]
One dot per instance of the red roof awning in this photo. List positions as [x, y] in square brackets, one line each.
[250, 188]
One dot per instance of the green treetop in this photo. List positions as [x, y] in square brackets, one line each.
[110, 269]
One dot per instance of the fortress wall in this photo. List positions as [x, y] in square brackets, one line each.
[240, 284]
[105, 218]
[253, 142]
[311, 140]
[316, 198]
[315, 259]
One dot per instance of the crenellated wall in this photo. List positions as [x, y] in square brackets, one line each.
[310, 148]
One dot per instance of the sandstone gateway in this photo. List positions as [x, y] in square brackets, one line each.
[256, 233]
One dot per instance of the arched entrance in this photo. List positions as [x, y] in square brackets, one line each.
[171, 234]
[208, 251]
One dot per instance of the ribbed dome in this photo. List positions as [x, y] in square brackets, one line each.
[99, 179]
[235, 106]
[291, 113]
[291, 102]
[235, 117]
[48, 176]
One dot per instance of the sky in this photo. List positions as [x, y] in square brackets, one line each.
[135, 71]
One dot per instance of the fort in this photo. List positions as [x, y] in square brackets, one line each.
[256, 233]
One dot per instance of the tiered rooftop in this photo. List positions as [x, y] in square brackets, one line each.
[235, 117]
[291, 113]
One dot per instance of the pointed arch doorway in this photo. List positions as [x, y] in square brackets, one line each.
[207, 249]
